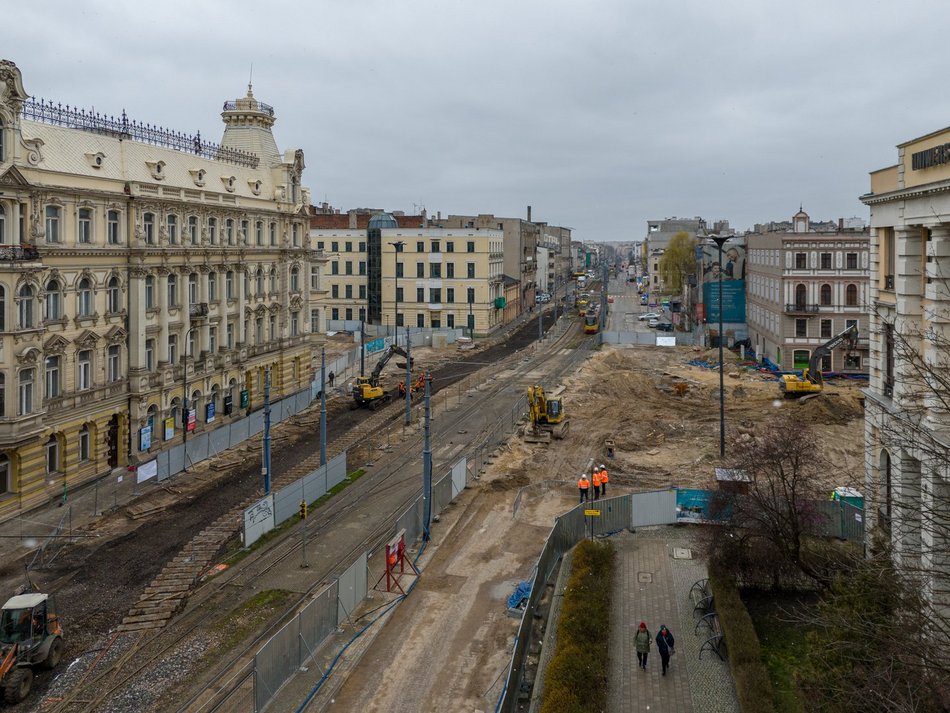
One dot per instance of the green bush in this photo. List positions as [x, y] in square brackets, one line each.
[753, 685]
[576, 676]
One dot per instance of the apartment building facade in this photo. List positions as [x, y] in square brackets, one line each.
[804, 287]
[147, 279]
[907, 421]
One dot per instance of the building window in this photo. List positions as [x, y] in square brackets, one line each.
[851, 295]
[84, 305]
[295, 235]
[212, 339]
[888, 376]
[3, 228]
[334, 268]
[295, 279]
[259, 282]
[259, 233]
[449, 246]
[335, 292]
[315, 321]
[362, 292]
[113, 234]
[801, 327]
[150, 354]
[420, 294]
[450, 270]
[851, 261]
[826, 329]
[801, 296]
[192, 343]
[229, 284]
[420, 320]
[148, 226]
[348, 292]
[348, 267]
[471, 270]
[471, 295]
[229, 230]
[113, 304]
[334, 313]
[172, 290]
[435, 270]
[272, 231]
[435, 295]
[245, 228]
[470, 246]
[848, 323]
[52, 377]
[273, 328]
[450, 320]
[193, 229]
[212, 287]
[213, 231]
[84, 441]
[273, 280]
[420, 269]
[334, 246]
[52, 224]
[825, 261]
[54, 300]
[25, 307]
[399, 295]
[85, 226]
[113, 364]
[192, 289]
[399, 320]
[149, 292]
[825, 295]
[259, 330]
[52, 455]
[294, 323]
[450, 294]
[420, 247]
[399, 270]
[801, 261]
[25, 389]
[172, 348]
[800, 359]
[84, 372]
[171, 226]
[314, 277]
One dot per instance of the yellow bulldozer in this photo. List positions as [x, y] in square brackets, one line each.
[546, 417]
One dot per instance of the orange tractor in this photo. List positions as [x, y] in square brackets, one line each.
[30, 636]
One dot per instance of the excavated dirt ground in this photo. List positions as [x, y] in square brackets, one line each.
[447, 646]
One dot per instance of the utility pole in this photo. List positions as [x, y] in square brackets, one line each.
[323, 406]
[719, 240]
[362, 348]
[265, 459]
[427, 466]
[408, 378]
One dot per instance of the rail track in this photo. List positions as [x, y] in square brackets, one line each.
[160, 620]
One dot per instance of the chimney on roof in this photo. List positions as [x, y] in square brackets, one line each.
[351, 214]
[840, 224]
[438, 215]
[529, 214]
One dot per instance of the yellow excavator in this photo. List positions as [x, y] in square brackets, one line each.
[546, 417]
[811, 382]
[367, 392]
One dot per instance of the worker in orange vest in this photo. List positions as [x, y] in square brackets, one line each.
[595, 478]
[603, 480]
[583, 485]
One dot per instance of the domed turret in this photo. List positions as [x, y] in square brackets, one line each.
[247, 126]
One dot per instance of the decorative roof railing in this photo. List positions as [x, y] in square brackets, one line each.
[250, 103]
[125, 128]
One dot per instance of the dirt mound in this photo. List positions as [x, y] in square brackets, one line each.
[831, 409]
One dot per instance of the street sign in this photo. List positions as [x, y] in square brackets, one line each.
[592, 513]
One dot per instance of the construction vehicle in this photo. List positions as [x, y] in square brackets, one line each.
[30, 636]
[592, 321]
[810, 383]
[546, 417]
[367, 392]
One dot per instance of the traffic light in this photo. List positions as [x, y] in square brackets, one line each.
[303, 509]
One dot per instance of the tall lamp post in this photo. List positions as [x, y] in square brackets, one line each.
[720, 240]
[398, 246]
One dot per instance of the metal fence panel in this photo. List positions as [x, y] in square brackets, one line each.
[336, 470]
[275, 662]
[411, 521]
[196, 449]
[219, 440]
[852, 522]
[615, 514]
[255, 423]
[315, 483]
[317, 622]
[352, 585]
[163, 472]
[442, 493]
[239, 431]
[258, 519]
[459, 471]
[657, 507]
[176, 460]
[287, 502]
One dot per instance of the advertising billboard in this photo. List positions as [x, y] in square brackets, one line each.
[732, 271]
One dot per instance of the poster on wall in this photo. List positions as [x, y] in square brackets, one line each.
[732, 272]
[192, 421]
[169, 428]
[145, 438]
[209, 412]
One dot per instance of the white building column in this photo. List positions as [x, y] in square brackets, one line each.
[241, 304]
[137, 319]
[204, 331]
[162, 299]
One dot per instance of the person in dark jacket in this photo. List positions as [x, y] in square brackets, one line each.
[664, 644]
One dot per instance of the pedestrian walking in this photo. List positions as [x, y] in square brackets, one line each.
[664, 644]
[642, 642]
[603, 480]
[583, 485]
[595, 479]
[330, 379]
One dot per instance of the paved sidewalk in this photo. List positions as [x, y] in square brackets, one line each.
[653, 587]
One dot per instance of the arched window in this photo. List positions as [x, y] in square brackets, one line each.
[192, 343]
[151, 419]
[84, 303]
[260, 281]
[229, 230]
[26, 307]
[85, 443]
[113, 295]
[273, 280]
[825, 294]
[213, 399]
[53, 459]
[213, 231]
[801, 296]
[273, 233]
[54, 300]
[149, 291]
[193, 229]
[851, 295]
[195, 404]
[294, 279]
[171, 224]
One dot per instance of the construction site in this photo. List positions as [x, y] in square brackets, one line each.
[650, 414]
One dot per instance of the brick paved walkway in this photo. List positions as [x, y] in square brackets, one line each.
[653, 587]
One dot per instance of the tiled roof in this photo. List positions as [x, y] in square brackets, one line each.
[342, 221]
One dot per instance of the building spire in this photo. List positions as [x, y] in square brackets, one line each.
[250, 81]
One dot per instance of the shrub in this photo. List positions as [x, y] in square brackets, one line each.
[576, 676]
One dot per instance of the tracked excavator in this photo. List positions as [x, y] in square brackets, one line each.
[546, 417]
[367, 392]
[811, 382]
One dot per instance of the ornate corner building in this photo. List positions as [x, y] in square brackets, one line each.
[147, 280]
[907, 422]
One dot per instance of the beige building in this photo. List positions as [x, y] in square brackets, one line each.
[907, 420]
[804, 287]
[142, 271]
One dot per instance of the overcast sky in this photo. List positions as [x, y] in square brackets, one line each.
[601, 114]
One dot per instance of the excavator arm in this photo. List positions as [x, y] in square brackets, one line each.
[381, 364]
[814, 364]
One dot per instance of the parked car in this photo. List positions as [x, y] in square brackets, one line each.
[653, 322]
[648, 315]
[664, 326]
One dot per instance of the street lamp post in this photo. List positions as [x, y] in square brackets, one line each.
[720, 240]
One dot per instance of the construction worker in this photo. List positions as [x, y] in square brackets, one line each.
[603, 480]
[595, 479]
[583, 485]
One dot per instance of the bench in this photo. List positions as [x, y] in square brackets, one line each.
[714, 642]
[701, 596]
